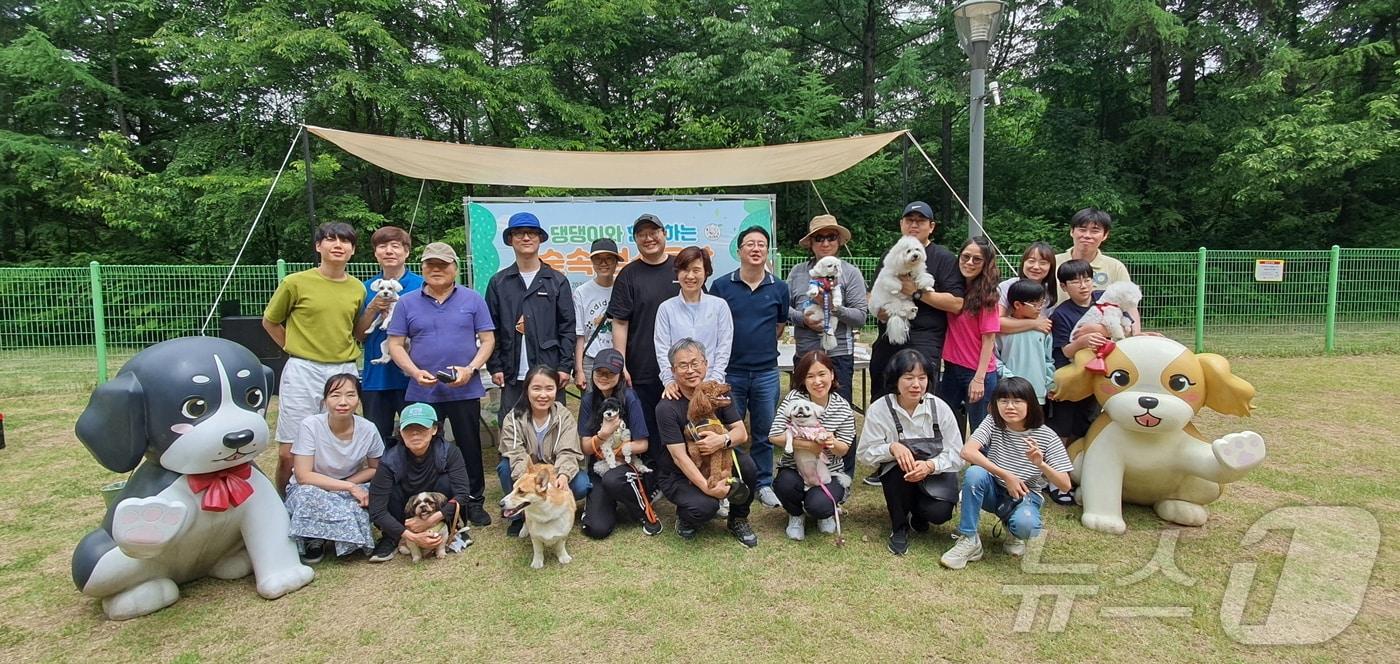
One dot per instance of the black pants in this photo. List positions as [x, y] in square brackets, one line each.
[905, 500]
[611, 490]
[650, 395]
[510, 394]
[381, 407]
[465, 416]
[398, 500]
[797, 498]
[694, 507]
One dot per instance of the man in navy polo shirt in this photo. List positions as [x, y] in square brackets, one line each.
[444, 329]
[758, 302]
[382, 384]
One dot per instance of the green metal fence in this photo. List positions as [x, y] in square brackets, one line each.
[87, 321]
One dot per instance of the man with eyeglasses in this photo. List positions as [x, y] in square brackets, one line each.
[641, 286]
[825, 237]
[930, 324]
[758, 304]
[1088, 230]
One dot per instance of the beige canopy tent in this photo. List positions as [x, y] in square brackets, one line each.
[454, 162]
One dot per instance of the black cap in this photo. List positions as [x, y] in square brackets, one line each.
[604, 245]
[610, 359]
[647, 219]
[919, 207]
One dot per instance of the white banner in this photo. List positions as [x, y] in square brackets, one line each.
[574, 223]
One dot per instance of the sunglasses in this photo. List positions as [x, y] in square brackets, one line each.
[830, 237]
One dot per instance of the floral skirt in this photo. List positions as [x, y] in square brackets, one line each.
[329, 515]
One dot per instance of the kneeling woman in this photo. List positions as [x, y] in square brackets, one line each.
[540, 430]
[334, 456]
[424, 462]
[614, 487]
[814, 379]
[912, 438]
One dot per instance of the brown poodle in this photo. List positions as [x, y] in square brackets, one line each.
[711, 396]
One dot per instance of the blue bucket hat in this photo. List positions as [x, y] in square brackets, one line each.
[521, 220]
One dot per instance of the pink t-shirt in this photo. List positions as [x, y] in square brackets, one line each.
[963, 344]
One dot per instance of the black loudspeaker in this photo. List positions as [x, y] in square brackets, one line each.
[248, 332]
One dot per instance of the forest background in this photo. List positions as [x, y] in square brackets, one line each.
[149, 131]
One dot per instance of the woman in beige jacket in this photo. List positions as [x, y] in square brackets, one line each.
[538, 429]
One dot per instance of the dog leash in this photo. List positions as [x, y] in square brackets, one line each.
[634, 479]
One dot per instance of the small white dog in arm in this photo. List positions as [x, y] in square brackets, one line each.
[906, 258]
[386, 288]
[824, 281]
[804, 421]
[1111, 311]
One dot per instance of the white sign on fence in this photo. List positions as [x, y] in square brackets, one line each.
[574, 223]
[1268, 270]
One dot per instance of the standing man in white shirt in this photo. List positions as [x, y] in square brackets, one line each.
[591, 298]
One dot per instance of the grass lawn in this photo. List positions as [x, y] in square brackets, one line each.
[1327, 420]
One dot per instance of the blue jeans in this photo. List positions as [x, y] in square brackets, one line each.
[953, 390]
[981, 491]
[579, 485]
[755, 393]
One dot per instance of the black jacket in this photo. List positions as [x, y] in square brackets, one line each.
[548, 308]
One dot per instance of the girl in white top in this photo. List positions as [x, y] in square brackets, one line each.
[912, 438]
[693, 314]
[333, 459]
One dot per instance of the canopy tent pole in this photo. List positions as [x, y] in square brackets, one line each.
[414, 219]
[310, 187]
[213, 307]
[821, 200]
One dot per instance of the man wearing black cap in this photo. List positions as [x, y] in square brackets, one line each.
[591, 307]
[640, 288]
[930, 325]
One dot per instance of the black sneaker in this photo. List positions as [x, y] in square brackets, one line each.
[686, 532]
[476, 514]
[315, 551]
[383, 551]
[899, 542]
[742, 531]
[1062, 498]
[515, 526]
[873, 479]
[650, 528]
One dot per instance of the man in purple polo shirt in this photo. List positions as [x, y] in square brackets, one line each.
[444, 330]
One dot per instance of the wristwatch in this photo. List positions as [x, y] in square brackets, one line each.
[728, 441]
[919, 293]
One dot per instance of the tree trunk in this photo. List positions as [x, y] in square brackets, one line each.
[117, 107]
[868, 43]
[1158, 74]
[945, 160]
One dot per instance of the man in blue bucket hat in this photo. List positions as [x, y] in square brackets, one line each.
[533, 307]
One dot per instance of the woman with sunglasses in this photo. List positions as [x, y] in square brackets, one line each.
[824, 238]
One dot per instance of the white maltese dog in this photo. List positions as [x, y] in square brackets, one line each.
[824, 279]
[1111, 310]
[905, 258]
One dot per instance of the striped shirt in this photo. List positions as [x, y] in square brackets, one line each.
[1007, 449]
[838, 418]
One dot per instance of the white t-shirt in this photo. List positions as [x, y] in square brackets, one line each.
[590, 303]
[336, 458]
[529, 278]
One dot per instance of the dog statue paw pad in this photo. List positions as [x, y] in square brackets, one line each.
[1241, 450]
[146, 522]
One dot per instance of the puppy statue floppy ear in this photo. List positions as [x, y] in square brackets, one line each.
[1225, 392]
[1074, 381]
[113, 426]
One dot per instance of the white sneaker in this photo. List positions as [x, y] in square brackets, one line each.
[827, 525]
[723, 508]
[768, 498]
[965, 551]
[1013, 546]
[796, 528]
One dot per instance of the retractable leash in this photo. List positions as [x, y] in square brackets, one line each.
[835, 514]
[634, 480]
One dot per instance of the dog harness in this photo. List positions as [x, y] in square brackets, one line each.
[826, 285]
[223, 489]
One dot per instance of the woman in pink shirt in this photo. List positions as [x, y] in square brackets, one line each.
[969, 368]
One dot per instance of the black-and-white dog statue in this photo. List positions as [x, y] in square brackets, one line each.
[198, 506]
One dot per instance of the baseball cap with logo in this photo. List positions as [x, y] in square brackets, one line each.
[417, 413]
[918, 207]
[610, 359]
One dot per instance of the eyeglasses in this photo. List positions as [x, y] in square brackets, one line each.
[687, 366]
[1010, 402]
[826, 238]
[1080, 281]
[754, 244]
[971, 259]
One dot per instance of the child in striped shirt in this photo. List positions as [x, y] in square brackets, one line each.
[1013, 454]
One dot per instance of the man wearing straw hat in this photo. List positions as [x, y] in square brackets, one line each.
[825, 237]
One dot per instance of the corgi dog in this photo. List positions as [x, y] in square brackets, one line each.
[548, 509]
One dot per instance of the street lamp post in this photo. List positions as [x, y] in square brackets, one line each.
[977, 22]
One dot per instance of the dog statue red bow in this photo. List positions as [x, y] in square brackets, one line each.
[223, 488]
